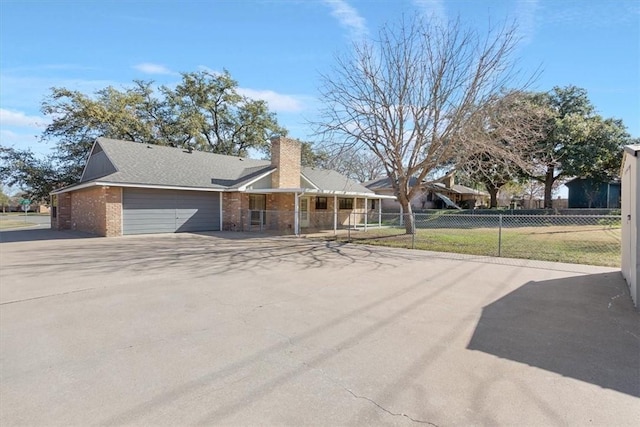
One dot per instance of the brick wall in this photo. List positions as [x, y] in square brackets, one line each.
[96, 210]
[234, 210]
[87, 211]
[285, 156]
[113, 209]
[61, 205]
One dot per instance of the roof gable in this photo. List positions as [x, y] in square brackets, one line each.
[138, 163]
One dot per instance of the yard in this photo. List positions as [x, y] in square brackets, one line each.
[597, 244]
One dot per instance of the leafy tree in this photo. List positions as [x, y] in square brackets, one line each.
[38, 176]
[407, 95]
[315, 158]
[4, 199]
[577, 142]
[511, 124]
[210, 113]
[205, 111]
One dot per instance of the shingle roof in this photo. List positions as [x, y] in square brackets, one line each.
[385, 183]
[144, 164]
[134, 163]
[330, 180]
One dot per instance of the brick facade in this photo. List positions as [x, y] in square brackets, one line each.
[96, 210]
[235, 206]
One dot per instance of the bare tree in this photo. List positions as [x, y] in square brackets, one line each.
[360, 165]
[508, 130]
[407, 95]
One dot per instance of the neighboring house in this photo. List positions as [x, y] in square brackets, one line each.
[440, 194]
[135, 188]
[591, 193]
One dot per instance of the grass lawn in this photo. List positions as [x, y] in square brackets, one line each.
[14, 223]
[588, 244]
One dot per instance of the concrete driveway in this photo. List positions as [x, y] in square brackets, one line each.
[236, 329]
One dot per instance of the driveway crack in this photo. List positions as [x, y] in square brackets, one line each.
[388, 411]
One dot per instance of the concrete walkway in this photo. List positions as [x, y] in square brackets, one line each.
[233, 329]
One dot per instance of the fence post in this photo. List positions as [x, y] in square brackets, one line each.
[500, 236]
[413, 231]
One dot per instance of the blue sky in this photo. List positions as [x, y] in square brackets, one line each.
[276, 49]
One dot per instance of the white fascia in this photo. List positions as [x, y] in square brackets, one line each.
[124, 185]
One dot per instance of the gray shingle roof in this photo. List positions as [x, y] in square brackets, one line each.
[134, 163]
[144, 164]
[330, 180]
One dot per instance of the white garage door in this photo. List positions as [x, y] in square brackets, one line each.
[169, 211]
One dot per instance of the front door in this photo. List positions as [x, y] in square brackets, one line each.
[304, 212]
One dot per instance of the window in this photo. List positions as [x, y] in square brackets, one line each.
[373, 204]
[257, 202]
[345, 203]
[321, 203]
[257, 206]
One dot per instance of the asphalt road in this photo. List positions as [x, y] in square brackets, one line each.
[237, 329]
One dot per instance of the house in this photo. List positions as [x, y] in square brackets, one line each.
[630, 221]
[135, 188]
[591, 193]
[439, 194]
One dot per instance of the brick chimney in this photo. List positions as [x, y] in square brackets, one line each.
[450, 179]
[285, 156]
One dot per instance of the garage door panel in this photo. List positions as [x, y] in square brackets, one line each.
[168, 211]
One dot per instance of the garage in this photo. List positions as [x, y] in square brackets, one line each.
[169, 211]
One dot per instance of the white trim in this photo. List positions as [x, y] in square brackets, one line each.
[315, 187]
[86, 162]
[151, 186]
[253, 181]
[319, 192]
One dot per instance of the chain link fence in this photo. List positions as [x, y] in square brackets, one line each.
[579, 239]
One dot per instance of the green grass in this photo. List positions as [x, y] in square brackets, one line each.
[14, 223]
[593, 244]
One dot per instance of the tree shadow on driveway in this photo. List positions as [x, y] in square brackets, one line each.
[582, 327]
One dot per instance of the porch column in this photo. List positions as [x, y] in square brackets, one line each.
[335, 215]
[366, 213]
[296, 214]
[379, 213]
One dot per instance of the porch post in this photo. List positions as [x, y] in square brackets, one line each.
[366, 213]
[379, 213]
[335, 214]
[296, 214]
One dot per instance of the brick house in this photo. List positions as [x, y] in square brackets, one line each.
[442, 193]
[134, 188]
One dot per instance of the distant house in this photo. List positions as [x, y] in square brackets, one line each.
[135, 188]
[439, 194]
[591, 193]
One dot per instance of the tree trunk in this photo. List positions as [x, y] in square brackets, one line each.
[549, 179]
[407, 215]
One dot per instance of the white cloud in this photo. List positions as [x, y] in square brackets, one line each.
[150, 68]
[432, 9]
[20, 119]
[348, 17]
[277, 102]
[526, 19]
